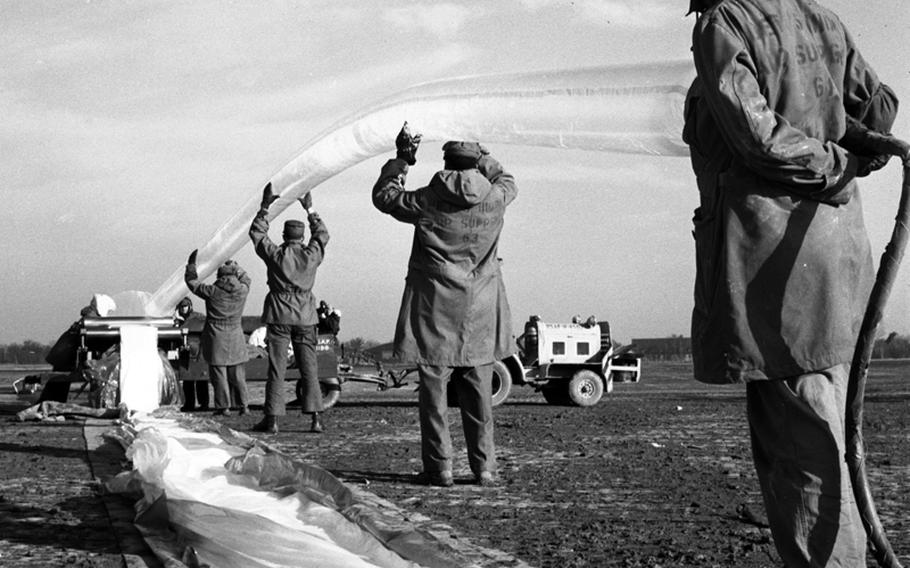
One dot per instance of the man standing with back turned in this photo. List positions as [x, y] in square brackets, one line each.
[289, 311]
[778, 125]
[454, 319]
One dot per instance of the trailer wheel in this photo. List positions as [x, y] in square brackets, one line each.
[501, 386]
[502, 383]
[556, 393]
[585, 388]
[330, 389]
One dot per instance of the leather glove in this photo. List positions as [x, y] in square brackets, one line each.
[306, 201]
[406, 145]
[190, 272]
[267, 196]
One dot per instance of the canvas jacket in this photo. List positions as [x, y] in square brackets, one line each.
[291, 269]
[222, 341]
[454, 310]
[783, 262]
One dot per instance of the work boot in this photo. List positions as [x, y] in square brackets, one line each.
[268, 424]
[316, 424]
[222, 412]
[485, 479]
[436, 478]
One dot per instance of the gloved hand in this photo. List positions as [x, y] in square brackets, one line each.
[406, 144]
[267, 196]
[306, 200]
[190, 272]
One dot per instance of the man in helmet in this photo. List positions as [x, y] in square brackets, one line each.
[775, 122]
[454, 319]
[222, 341]
[289, 311]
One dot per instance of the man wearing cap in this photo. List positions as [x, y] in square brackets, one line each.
[289, 311]
[222, 341]
[776, 121]
[454, 320]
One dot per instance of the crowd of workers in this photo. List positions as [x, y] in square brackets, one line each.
[782, 117]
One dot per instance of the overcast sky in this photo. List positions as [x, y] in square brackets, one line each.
[132, 130]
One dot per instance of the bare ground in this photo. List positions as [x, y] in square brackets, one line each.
[658, 474]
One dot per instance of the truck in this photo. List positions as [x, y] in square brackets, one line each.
[569, 363]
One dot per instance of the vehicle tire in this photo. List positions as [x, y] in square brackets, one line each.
[502, 386]
[585, 388]
[331, 392]
[502, 383]
[556, 392]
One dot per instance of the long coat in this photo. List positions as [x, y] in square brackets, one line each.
[783, 262]
[222, 341]
[291, 269]
[454, 310]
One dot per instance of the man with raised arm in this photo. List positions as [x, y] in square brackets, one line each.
[289, 310]
[454, 319]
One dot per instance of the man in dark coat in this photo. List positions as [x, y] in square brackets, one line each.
[193, 391]
[222, 341]
[289, 310]
[454, 319]
[783, 261]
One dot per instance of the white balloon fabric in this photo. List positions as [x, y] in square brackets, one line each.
[635, 109]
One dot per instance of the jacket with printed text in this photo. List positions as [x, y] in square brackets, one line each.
[783, 261]
[454, 311]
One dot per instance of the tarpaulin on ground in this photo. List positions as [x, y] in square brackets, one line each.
[213, 496]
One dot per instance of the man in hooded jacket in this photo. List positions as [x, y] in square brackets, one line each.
[454, 319]
[222, 341]
[289, 310]
[775, 121]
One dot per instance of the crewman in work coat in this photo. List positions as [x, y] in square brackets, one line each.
[783, 262]
[193, 391]
[222, 341]
[454, 319]
[289, 311]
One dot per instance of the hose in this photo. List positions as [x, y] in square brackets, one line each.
[856, 387]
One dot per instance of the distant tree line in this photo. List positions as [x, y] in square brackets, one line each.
[894, 346]
[679, 348]
[26, 353]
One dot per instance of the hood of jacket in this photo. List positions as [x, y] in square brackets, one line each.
[229, 283]
[463, 188]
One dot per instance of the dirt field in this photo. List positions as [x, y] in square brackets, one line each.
[658, 474]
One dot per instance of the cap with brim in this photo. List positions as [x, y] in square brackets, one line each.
[457, 149]
[293, 229]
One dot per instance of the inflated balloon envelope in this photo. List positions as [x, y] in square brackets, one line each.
[633, 109]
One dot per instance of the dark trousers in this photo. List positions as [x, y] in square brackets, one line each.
[228, 380]
[474, 388]
[797, 428]
[303, 340]
[195, 392]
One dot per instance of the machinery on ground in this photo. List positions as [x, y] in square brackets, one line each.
[332, 374]
[569, 363]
